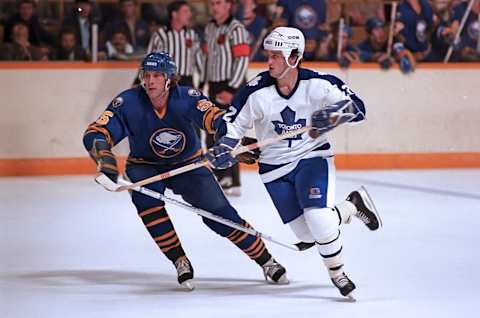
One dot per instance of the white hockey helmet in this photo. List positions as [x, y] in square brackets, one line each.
[286, 40]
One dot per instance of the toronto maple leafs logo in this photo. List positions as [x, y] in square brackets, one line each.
[288, 123]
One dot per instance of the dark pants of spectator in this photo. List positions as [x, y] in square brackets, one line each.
[186, 81]
[232, 173]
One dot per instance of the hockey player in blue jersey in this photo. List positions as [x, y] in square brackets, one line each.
[299, 173]
[158, 118]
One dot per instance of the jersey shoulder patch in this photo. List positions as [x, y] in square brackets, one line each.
[260, 81]
[117, 102]
[194, 92]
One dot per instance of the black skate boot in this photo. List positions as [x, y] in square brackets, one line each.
[275, 272]
[344, 285]
[366, 211]
[184, 273]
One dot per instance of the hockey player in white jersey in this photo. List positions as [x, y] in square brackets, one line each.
[299, 173]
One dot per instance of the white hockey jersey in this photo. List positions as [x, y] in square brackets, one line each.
[260, 105]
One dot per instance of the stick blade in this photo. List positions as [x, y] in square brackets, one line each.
[107, 183]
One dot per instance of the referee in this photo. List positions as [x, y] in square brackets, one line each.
[227, 51]
[180, 41]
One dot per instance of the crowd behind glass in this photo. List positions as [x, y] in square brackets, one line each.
[405, 32]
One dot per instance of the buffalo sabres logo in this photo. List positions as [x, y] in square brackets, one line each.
[167, 142]
[117, 102]
[193, 92]
[305, 17]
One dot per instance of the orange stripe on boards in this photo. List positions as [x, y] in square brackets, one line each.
[254, 65]
[85, 165]
[51, 166]
[67, 65]
[360, 66]
[403, 161]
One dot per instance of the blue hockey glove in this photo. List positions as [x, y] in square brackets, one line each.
[105, 159]
[219, 156]
[331, 116]
[404, 57]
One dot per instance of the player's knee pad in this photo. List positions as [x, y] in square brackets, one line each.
[323, 223]
[301, 230]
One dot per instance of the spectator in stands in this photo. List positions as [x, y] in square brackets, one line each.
[328, 49]
[443, 34]
[37, 35]
[138, 33]
[307, 15]
[118, 47]
[68, 49]
[20, 48]
[256, 26]
[469, 46]
[413, 25]
[374, 47]
[81, 21]
[360, 13]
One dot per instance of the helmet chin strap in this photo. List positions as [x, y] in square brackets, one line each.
[289, 67]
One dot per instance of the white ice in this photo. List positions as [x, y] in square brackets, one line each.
[70, 249]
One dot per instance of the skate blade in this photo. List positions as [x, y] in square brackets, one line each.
[351, 298]
[371, 205]
[282, 281]
[188, 285]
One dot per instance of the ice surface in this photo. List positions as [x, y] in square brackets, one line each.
[68, 248]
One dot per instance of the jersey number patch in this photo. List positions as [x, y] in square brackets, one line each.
[104, 118]
[231, 112]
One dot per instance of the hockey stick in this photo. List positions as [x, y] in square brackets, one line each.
[302, 246]
[459, 31]
[393, 17]
[203, 163]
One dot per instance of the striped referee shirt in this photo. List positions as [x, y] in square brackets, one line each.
[227, 52]
[183, 46]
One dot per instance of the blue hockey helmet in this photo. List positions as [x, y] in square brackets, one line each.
[159, 62]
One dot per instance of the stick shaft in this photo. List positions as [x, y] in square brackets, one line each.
[393, 18]
[459, 31]
[204, 163]
[207, 214]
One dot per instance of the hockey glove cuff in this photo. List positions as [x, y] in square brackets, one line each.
[331, 116]
[105, 159]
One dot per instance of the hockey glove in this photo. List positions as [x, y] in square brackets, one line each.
[105, 159]
[249, 157]
[219, 156]
[331, 116]
[404, 57]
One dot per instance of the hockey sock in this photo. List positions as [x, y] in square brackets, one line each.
[331, 251]
[161, 229]
[253, 246]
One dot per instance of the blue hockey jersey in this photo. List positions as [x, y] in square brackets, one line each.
[162, 138]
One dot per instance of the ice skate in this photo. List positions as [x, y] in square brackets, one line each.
[344, 285]
[366, 211]
[274, 272]
[185, 273]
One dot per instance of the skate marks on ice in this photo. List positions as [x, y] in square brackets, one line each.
[99, 281]
[411, 187]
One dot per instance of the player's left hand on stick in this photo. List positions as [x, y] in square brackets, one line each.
[220, 155]
[331, 116]
[106, 161]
